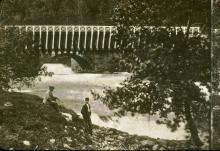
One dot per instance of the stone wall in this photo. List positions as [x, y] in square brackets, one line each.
[102, 62]
[91, 62]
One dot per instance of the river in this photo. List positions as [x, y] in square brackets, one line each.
[72, 88]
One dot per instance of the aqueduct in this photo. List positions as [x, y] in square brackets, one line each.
[54, 40]
[64, 38]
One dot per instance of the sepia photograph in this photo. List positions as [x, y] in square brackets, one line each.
[109, 74]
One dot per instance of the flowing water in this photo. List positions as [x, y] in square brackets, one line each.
[72, 88]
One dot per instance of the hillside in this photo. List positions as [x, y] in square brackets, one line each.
[29, 124]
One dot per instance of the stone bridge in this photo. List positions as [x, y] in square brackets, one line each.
[69, 39]
[73, 40]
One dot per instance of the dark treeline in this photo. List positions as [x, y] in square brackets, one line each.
[216, 14]
[56, 12]
[216, 46]
[86, 12]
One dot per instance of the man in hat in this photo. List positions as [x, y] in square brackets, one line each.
[52, 99]
[86, 113]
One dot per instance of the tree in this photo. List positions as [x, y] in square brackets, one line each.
[18, 66]
[216, 47]
[54, 12]
[167, 66]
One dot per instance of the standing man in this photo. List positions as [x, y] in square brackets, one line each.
[86, 113]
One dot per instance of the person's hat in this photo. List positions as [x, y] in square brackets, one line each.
[51, 87]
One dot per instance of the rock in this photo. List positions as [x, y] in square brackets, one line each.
[84, 148]
[120, 137]
[67, 146]
[36, 147]
[147, 142]
[110, 139]
[52, 140]
[8, 104]
[155, 147]
[117, 141]
[124, 134]
[69, 139]
[67, 116]
[89, 147]
[11, 137]
[107, 148]
[162, 148]
[27, 143]
[104, 143]
[110, 132]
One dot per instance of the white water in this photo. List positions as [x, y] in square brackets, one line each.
[72, 88]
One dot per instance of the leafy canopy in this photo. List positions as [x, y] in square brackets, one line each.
[167, 66]
[18, 66]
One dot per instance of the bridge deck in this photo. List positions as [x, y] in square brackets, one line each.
[72, 38]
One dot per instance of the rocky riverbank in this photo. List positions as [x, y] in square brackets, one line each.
[29, 124]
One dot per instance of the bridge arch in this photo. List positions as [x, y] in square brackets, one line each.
[77, 62]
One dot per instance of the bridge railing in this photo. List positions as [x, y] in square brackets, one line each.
[63, 38]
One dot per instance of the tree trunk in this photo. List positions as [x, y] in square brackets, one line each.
[192, 127]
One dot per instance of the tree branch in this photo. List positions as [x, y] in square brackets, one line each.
[189, 21]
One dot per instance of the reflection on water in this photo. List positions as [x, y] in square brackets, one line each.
[72, 88]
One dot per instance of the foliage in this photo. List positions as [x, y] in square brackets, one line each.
[216, 13]
[216, 47]
[56, 11]
[18, 66]
[167, 67]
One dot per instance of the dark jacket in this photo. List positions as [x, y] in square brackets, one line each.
[85, 111]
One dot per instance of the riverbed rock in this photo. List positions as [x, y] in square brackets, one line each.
[162, 148]
[110, 139]
[27, 143]
[69, 139]
[147, 143]
[52, 141]
[155, 147]
[120, 137]
[67, 116]
[74, 128]
[67, 146]
[8, 104]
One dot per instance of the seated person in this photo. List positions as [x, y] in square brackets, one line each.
[51, 99]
